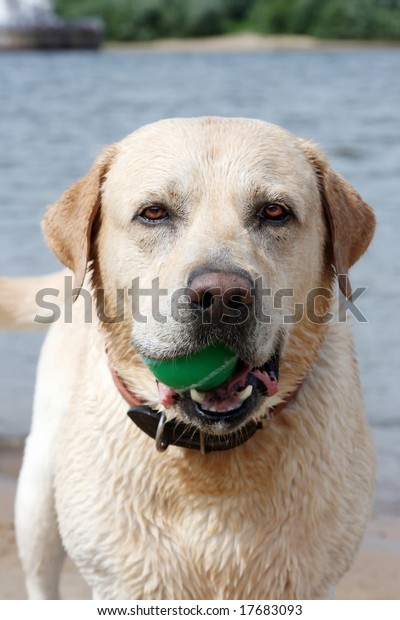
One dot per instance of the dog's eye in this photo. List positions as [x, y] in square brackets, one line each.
[154, 213]
[274, 213]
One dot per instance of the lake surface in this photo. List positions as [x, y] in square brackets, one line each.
[58, 109]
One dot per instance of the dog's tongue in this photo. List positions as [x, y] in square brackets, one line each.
[270, 381]
[225, 395]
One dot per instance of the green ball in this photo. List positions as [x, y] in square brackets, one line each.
[205, 370]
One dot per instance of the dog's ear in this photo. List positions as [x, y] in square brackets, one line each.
[350, 220]
[68, 222]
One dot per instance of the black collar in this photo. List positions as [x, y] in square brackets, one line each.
[177, 433]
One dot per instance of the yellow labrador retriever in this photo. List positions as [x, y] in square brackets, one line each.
[193, 232]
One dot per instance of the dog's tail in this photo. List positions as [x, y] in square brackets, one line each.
[20, 300]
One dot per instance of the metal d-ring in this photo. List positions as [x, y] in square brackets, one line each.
[161, 444]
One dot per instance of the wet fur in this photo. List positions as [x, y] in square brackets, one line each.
[279, 517]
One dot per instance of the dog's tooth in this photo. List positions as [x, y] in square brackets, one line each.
[197, 396]
[245, 393]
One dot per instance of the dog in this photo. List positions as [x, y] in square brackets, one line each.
[259, 488]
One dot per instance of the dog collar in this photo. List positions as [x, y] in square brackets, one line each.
[176, 433]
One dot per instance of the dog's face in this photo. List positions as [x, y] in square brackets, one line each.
[216, 230]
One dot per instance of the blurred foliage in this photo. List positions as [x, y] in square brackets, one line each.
[142, 20]
[340, 19]
[128, 20]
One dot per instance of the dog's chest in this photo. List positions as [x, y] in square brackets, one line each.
[178, 525]
[195, 547]
[203, 531]
[225, 545]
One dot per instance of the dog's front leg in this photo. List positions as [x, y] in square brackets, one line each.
[39, 543]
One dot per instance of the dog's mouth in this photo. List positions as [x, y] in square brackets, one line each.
[230, 404]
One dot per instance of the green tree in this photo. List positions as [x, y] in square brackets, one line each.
[127, 20]
[357, 19]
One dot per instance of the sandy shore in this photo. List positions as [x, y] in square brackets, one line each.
[248, 42]
[374, 575]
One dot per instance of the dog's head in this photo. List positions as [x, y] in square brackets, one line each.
[213, 230]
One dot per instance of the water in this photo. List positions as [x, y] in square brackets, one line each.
[58, 109]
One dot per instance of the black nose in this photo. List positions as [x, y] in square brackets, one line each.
[220, 295]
